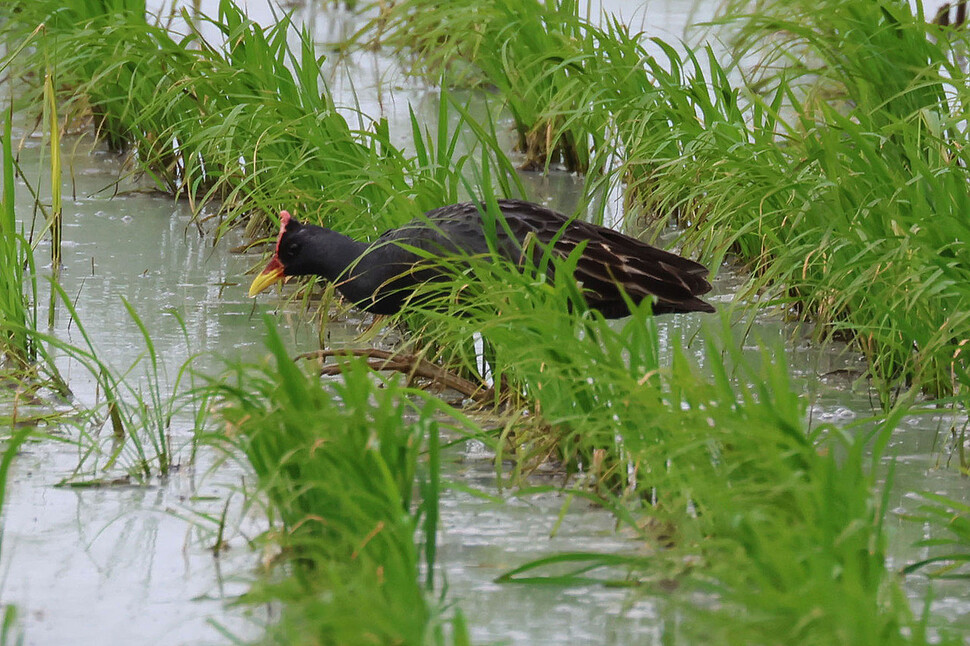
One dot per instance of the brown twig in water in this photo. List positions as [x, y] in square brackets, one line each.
[408, 364]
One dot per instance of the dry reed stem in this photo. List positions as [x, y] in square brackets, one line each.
[407, 364]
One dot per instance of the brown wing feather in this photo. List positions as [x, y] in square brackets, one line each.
[612, 261]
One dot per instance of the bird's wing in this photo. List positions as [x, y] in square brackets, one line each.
[612, 262]
[610, 265]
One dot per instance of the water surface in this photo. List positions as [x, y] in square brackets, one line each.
[116, 564]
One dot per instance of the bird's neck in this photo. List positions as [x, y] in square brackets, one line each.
[359, 270]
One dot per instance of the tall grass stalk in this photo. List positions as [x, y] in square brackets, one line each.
[56, 221]
[14, 311]
[55, 218]
[866, 221]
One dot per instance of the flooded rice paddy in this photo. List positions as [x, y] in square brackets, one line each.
[130, 563]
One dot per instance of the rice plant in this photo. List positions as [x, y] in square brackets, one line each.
[843, 190]
[720, 475]
[858, 217]
[352, 470]
[537, 55]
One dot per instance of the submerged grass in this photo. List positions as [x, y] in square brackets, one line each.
[240, 122]
[11, 633]
[125, 432]
[136, 404]
[949, 544]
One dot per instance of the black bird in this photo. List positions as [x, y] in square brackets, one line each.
[381, 275]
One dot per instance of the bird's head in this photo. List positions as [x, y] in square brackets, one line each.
[285, 256]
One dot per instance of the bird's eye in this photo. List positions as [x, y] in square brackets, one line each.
[291, 248]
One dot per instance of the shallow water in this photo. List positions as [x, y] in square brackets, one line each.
[122, 563]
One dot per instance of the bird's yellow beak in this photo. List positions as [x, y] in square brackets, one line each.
[272, 274]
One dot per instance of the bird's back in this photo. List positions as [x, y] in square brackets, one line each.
[610, 265]
[461, 229]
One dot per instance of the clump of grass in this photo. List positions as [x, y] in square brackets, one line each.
[341, 465]
[531, 329]
[824, 177]
[792, 521]
[136, 409]
[784, 525]
[196, 119]
[886, 200]
[535, 54]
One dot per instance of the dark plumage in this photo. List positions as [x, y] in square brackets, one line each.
[379, 276]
